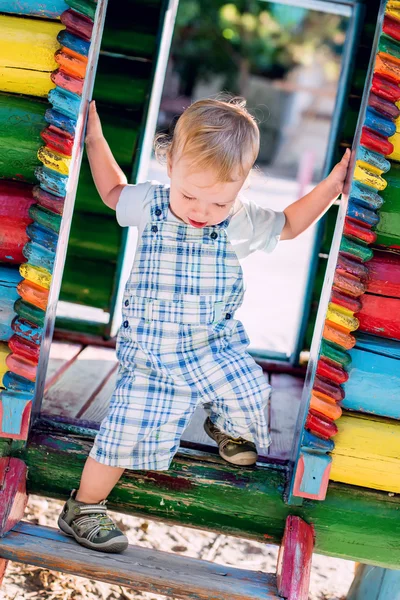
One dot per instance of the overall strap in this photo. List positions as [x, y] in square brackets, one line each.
[159, 203]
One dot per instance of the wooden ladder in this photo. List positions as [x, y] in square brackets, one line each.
[141, 568]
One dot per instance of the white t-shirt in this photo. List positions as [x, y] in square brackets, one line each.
[251, 227]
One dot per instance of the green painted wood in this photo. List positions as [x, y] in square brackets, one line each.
[88, 282]
[18, 154]
[388, 229]
[96, 237]
[86, 7]
[143, 569]
[201, 491]
[125, 34]
[122, 81]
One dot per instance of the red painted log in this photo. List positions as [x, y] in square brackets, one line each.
[346, 301]
[358, 232]
[77, 24]
[321, 426]
[351, 267]
[375, 142]
[348, 284]
[58, 140]
[384, 107]
[334, 373]
[329, 389]
[384, 274]
[23, 348]
[380, 316]
[13, 497]
[49, 201]
[385, 89]
[15, 200]
[391, 28]
[67, 82]
[294, 560]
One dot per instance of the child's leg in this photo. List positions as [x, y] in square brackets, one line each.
[97, 481]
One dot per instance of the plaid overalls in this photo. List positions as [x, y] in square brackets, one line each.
[179, 345]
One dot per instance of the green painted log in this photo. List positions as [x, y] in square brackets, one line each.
[21, 121]
[96, 237]
[201, 491]
[388, 228]
[125, 34]
[121, 81]
[88, 282]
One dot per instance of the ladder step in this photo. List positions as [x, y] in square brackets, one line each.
[139, 568]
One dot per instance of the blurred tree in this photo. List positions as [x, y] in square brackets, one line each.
[213, 37]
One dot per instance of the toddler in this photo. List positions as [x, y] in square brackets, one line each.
[180, 344]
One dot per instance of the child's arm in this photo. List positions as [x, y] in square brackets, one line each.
[308, 210]
[108, 177]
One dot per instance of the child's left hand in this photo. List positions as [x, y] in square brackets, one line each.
[337, 176]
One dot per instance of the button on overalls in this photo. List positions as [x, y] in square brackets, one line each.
[179, 346]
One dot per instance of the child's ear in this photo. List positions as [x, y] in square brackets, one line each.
[169, 164]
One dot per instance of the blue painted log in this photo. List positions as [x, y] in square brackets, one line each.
[9, 279]
[375, 583]
[38, 256]
[365, 196]
[316, 444]
[50, 9]
[27, 331]
[12, 409]
[14, 382]
[57, 119]
[373, 159]
[379, 124]
[374, 383]
[51, 181]
[43, 236]
[75, 43]
[362, 214]
[65, 102]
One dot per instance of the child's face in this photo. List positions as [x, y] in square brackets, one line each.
[197, 198]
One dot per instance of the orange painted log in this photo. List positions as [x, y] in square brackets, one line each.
[33, 293]
[387, 67]
[329, 409]
[68, 61]
[333, 334]
[348, 284]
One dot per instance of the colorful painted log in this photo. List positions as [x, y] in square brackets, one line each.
[38, 58]
[27, 48]
[365, 297]
[294, 561]
[50, 9]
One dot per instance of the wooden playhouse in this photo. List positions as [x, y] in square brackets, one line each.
[333, 476]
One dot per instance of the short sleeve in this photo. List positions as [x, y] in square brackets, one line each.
[254, 227]
[134, 202]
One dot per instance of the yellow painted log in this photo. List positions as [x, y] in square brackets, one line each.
[367, 452]
[54, 160]
[27, 48]
[37, 275]
[4, 352]
[368, 167]
[342, 317]
[369, 177]
[395, 140]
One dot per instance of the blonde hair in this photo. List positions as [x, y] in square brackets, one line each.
[216, 134]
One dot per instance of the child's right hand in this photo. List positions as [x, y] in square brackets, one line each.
[94, 130]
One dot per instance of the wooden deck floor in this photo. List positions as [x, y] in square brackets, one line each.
[80, 382]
